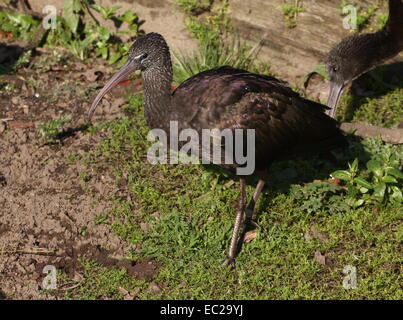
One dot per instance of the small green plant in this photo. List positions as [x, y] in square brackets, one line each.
[290, 13]
[83, 36]
[212, 55]
[51, 129]
[217, 47]
[364, 16]
[194, 6]
[22, 26]
[73, 157]
[85, 177]
[107, 13]
[381, 185]
[7, 86]
[381, 20]
[317, 196]
[78, 30]
[210, 28]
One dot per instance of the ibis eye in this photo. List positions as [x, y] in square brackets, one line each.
[335, 69]
[141, 56]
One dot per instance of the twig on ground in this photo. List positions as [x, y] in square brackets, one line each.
[39, 251]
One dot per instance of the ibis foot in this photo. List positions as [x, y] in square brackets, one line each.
[229, 262]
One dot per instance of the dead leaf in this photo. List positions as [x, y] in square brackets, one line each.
[135, 293]
[57, 68]
[144, 226]
[322, 259]
[314, 233]
[249, 236]
[229, 183]
[2, 127]
[62, 105]
[5, 35]
[335, 181]
[128, 295]
[92, 75]
[154, 288]
[123, 290]
[15, 124]
[80, 65]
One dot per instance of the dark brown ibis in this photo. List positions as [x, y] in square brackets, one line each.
[226, 98]
[356, 55]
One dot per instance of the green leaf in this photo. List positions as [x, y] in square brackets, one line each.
[104, 52]
[88, 40]
[133, 27]
[128, 16]
[394, 172]
[71, 14]
[379, 190]
[114, 56]
[358, 203]
[107, 13]
[375, 167]
[396, 194]
[96, 7]
[363, 190]
[363, 183]
[104, 33]
[354, 165]
[389, 179]
[342, 175]
[352, 191]
[111, 11]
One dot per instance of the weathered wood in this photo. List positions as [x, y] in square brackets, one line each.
[394, 136]
[291, 53]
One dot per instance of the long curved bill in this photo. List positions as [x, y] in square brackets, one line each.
[333, 99]
[120, 76]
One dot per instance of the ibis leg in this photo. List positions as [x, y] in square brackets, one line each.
[251, 206]
[238, 221]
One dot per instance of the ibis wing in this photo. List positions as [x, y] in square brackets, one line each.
[228, 98]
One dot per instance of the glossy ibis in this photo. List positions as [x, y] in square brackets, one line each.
[358, 54]
[226, 98]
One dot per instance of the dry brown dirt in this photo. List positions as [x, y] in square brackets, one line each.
[47, 217]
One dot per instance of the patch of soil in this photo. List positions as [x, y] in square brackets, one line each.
[47, 213]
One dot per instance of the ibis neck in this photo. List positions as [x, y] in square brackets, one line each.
[157, 94]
